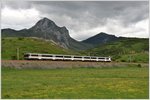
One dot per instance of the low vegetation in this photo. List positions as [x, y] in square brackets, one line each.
[124, 50]
[26, 45]
[83, 83]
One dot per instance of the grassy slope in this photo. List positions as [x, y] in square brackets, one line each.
[131, 49]
[10, 45]
[129, 82]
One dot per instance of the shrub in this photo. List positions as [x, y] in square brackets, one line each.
[134, 61]
[13, 57]
[20, 38]
[116, 57]
[7, 96]
[122, 60]
[139, 65]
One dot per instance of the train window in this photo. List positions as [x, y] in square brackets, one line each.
[47, 56]
[101, 58]
[26, 55]
[59, 56]
[87, 57]
[67, 56]
[77, 57]
[93, 57]
[34, 55]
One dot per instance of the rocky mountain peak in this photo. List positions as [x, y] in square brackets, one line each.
[47, 29]
[103, 33]
[45, 24]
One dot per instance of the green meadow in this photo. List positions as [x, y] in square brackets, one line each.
[124, 50]
[76, 83]
[27, 45]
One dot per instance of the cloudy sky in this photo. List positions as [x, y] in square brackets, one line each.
[83, 19]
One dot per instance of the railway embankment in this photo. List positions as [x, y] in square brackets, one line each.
[38, 64]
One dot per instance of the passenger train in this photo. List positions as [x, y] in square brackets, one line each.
[38, 56]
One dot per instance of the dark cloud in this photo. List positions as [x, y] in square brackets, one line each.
[87, 18]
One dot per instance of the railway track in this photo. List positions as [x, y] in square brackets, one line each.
[112, 62]
[46, 64]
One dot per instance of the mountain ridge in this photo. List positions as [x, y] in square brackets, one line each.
[100, 38]
[47, 29]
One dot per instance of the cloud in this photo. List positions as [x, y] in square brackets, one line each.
[83, 19]
[20, 18]
[16, 4]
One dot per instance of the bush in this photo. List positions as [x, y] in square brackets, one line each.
[116, 57]
[122, 60]
[13, 57]
[134, 61]
[6, 96]
[20, 38]
[139, 65]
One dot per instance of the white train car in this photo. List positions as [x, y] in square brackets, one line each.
[38, 56]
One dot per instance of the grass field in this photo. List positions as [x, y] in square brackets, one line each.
[124, 50]
[129, 82]
[27, 45]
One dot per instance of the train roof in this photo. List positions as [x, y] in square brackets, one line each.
[68, 55]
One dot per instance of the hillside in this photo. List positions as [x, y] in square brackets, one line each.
[124, 49]
[100, 38]
[33, 45]
[47, 29]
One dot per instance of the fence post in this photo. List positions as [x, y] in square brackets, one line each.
[17, 53]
